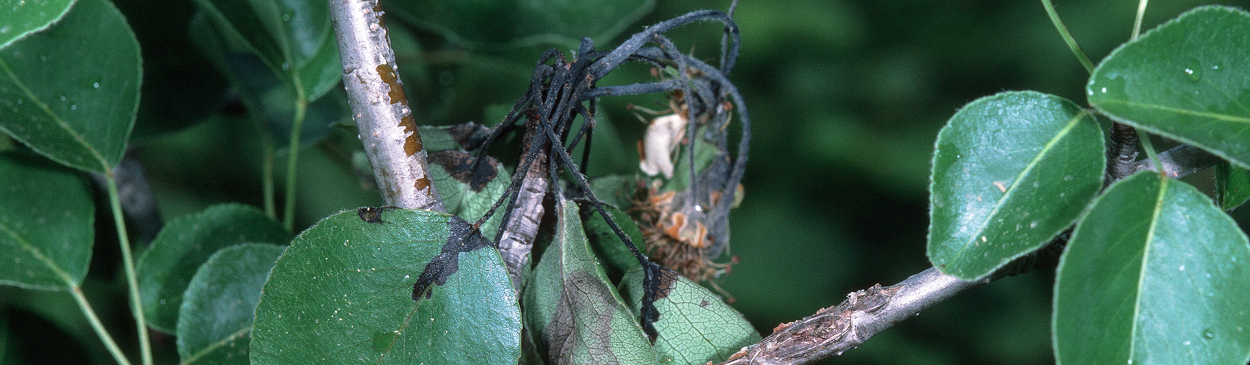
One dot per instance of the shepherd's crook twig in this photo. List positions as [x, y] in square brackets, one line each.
[380, 107]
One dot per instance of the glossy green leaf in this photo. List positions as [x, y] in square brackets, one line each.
[166, 268]
[1010, 171]
[574, 311]
[1232, 185]
[215, 324]
[343, 293]
[22, 18]
[77, 116]
[292, 37]
[1188, 79]
[486, 23]
[695, 326]
[265, 94]
[46, 223]
[1154, 274]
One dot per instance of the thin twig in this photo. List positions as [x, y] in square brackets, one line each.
[386, 124]
[867, 312]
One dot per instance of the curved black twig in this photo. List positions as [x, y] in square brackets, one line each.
[561, 90]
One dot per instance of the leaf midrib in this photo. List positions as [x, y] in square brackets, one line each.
[1071, 125]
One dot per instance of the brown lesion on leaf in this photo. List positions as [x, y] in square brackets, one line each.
[583, 297]
[463, 237]
[458, 164]
[469, 135]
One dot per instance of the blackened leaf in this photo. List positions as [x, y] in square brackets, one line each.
[1010, 171]
[46, 223]
[215, 323]
[695, 326]
[1154, 274]
[342, 294]
[1188, 79]
[77, 115]
[573, 310]
[185, 243]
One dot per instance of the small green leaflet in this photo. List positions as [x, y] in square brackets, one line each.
[46, 223]
[167, 266]
[1188, 79]
[1010, 171]
[215, 322]
[78, 116]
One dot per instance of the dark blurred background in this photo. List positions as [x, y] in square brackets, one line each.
[846, 99]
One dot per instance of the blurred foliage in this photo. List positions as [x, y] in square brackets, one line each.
[846, 97]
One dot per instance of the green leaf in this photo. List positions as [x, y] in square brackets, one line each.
[695, 326]
[343, 293]
[614, 257]
[487, 23]
[292, 37]
[1010, 172]
[574, 311]
[615, 190]
[1232, 185]
[166, 268]
[217, 309]
[265, 94]
[1188, 79]
[77, 116]
[22, 18]
[46, 223]
[1154, 274]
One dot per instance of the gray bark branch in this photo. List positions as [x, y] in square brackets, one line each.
[867, 312]
[384, 120]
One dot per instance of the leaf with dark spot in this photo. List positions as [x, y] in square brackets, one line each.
[341, 294]
[459, 163]
[464, 238]
[573, 308]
